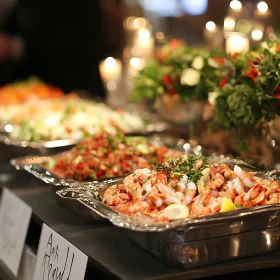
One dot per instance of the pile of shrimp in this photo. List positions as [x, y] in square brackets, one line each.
[150, 192]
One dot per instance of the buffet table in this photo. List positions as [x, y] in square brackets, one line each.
[110, 253]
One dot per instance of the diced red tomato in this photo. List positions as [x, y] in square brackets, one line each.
[80, 166]
[99, 173]
[125, 165]
[61, 164]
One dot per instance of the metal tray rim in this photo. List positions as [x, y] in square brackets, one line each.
[37, 144]
[150, 128]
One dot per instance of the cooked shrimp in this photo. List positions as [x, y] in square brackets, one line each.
[114, 196]
[237, 185]
[182, 184]
[136, 192]
[273, 198]
[271, 188]
[198, 164]
[128, 180]
[253, 193]
[245, 177]
[228, 191]
[145, 171]
[216, 182]
[169, 195]
[155, 199]
[139, 206]
[205, 204]
[190, 193]
[253, 197]
[226, 171]
[158, 177]
[259, 199]
[146, 188]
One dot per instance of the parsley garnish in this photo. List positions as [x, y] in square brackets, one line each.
[145, 181]
[238, 206]
[181, 166]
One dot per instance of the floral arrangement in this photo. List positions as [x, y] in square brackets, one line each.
[247, 96]
[177, 72]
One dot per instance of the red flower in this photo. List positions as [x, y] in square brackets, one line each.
[278, 48]
[277, 94]
[277, 89]
[159, 57]
[278, 97]
[169, 82]
[166, 80]
[175, 43]
[236, 54]
[252, 73]
[223, 82]
[219, 60]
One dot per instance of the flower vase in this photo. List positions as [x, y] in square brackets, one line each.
[180, 114]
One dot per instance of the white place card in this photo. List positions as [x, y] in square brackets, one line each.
[15, 217]
[58, 259]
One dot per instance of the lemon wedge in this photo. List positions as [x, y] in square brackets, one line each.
[176, 212]
[201, 183]
[227, 205]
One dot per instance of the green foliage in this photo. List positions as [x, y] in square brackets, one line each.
[172, 61]
[147, 84]
[247, 102]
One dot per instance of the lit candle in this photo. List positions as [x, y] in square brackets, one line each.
[110, 69]
[135, 65]
[237, 44]
[229, 23]
[143, 44]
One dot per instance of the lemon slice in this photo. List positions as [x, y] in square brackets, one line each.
[227, 205]
[176, 212]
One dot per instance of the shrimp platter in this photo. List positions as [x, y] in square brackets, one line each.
[190, 187]
[191, 211]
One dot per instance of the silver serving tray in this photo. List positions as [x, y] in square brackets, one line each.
[190, 242]
[33, 164]
[6, 139]
[11, 148]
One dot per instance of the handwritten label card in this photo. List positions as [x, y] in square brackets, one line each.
[58, 259]
[14, 221]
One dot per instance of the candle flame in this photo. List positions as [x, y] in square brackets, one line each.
[262, 7]
[235, 5]
[110, 62]
[210, 25]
